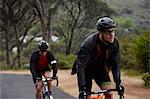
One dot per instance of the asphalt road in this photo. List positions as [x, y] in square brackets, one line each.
[21, 87]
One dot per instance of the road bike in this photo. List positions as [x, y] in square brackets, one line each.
[100, 94]
[45, 92]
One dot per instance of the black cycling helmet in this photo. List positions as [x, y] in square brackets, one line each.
[105, 23]
[43, 45]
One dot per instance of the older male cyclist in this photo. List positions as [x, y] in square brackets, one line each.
[98, 54]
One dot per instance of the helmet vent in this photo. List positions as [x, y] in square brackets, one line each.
[102, 20]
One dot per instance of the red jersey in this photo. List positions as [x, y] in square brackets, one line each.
[42, 63]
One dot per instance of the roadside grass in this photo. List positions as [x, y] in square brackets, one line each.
[13, 68]
[131, 72]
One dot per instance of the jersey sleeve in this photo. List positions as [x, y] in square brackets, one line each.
[33, 63]
[83, 57]
[51, 58]
[116, 63]
[53, 62]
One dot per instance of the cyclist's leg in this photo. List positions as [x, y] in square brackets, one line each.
[107, 86]
[104, 82]
[88, 80]
[38, 89]
[38, 85]
[88, 84]
[47, 75]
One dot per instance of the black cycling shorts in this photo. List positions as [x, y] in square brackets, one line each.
[40, 72]
[99, 78]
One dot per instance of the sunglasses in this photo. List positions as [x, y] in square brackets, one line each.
[108, 32]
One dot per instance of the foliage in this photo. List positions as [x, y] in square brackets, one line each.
[125, 26]
[142, 51]
[146, 78]
[77, 18]
[44, 11]
[20, 20]
[138, 30]
[15, 21]
[58, 47]
[13, 68]
[128, 59]
[65, 62]
[136, 53]
[137, 10]
[125, 22]
[131, 72]
[2, 55]
[29, 49]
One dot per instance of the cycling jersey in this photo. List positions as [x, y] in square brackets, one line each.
[39, 63]
[95, 58]
[42, 63]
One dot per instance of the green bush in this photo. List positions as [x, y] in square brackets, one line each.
[142, 51]
[131, 72]
[128, 59]
[135, 53]
[146, 78]
[65, 62]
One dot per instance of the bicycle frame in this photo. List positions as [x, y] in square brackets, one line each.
[45, 92]
[98, 95]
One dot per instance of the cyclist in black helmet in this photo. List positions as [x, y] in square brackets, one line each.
[98, 54]
[39, 62]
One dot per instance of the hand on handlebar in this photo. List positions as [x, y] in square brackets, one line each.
[54, 74]
[120, 89]
[54, 77]
[38, 78]
[82, 95]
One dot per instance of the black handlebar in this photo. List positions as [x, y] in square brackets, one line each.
[101, 91]
[55, 78]
[51, 79]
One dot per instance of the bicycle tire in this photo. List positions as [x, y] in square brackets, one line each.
[47, 96]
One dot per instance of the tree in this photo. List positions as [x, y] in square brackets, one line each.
[5, 26]
[44, 10]
[16, 20]
[79, 16]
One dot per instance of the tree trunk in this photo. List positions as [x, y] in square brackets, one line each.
[68, 49]
[9, 60]
[7, 49]
[18, 47]
[46, 27]
[19, 55]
